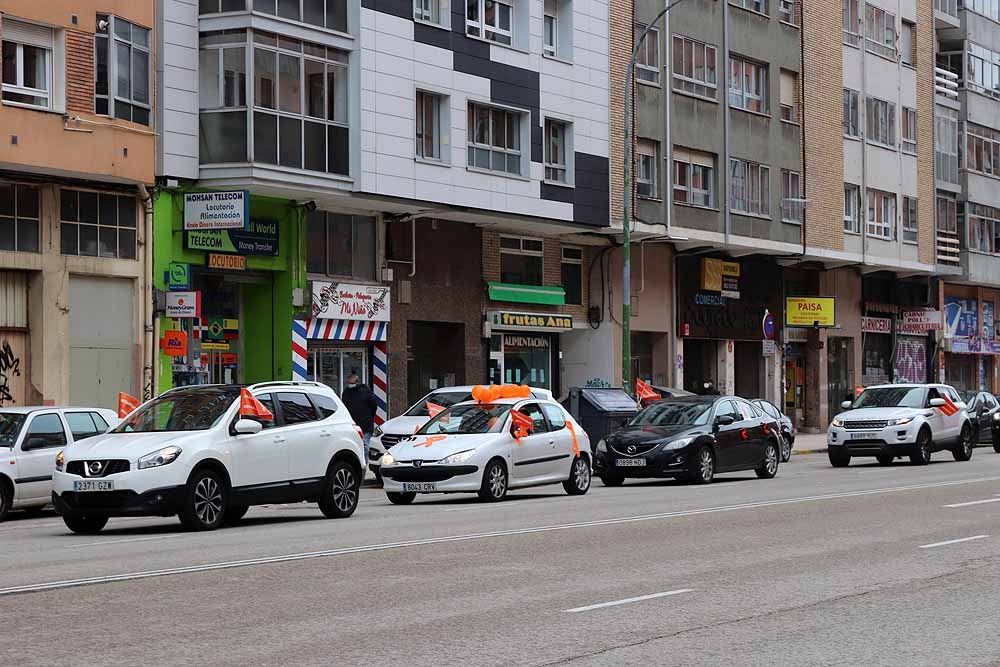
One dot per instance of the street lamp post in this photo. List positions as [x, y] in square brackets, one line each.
[627, 208]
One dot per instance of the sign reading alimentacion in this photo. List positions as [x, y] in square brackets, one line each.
[216, 210]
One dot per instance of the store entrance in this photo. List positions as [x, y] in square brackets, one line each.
[333, 365]
[838, 376]
[747, 361]
[700, 364]
[435, 357]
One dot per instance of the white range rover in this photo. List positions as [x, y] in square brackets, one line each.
[896, 420]
[190, 453]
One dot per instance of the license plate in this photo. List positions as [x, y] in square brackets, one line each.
[630, 463]
[94, 485]
[868, 435]
[419, 487]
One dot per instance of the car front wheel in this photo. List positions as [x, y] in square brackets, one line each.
[703, 467]
[494, 488]
[400, 498]
[608, 479]
[922, 455]
[579, 477]
[769, 464]
[205, 502]
[6, 498]
[86, 524]
[839, 459]
[339, 497]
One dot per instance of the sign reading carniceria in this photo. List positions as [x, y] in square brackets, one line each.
[216, 210]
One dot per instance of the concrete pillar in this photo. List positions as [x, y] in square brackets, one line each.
[727, 367]
[679, 363]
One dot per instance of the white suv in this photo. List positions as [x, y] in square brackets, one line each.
[190, 453]
[890, 421]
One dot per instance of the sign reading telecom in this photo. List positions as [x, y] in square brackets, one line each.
[216, 210]
[258, 238]
[808, 311]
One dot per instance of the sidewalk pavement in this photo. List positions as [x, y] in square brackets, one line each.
[809, 443]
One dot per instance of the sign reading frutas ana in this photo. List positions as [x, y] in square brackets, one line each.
[345, 301]
[216, 210]
[505, 320]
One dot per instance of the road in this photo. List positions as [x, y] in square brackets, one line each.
[820, 566]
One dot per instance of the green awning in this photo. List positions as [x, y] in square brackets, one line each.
[548, 296]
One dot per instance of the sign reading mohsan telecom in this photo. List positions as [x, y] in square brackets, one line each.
[505, 320]
[216, 210]
[808, 311]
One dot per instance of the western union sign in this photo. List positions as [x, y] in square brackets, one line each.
[508, 321]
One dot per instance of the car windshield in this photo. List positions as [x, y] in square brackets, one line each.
[445, 399]
[469, 419]
[891, 397]
[181, 411]
[673, 413]
[10, 426]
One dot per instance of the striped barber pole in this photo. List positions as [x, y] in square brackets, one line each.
[300, 348]
[380, 384]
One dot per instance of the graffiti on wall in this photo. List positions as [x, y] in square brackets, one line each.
[10, 368]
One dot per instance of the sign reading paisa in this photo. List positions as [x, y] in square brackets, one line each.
[216, 210]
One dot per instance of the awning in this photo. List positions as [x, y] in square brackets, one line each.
[549, 296]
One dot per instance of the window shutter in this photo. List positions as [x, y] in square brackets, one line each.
[704, 159]
[27, 33]
[787, 88]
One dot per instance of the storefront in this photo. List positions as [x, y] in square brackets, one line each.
[970, 338]
[876, 346]
[524, 348]
[911, 363]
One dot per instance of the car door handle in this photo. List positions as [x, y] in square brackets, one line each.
[325, 434]
[279, 439]
[552, 443]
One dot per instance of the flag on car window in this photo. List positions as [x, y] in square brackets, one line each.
[644, 392]
[522, 424]
[251, 407]
[126, 404]
[949, 408]
[433, 409]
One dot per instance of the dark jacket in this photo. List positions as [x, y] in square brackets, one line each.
[360, 402]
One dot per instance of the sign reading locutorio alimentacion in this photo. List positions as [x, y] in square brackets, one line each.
[216, 210]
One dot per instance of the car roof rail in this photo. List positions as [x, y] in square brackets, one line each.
[287, 383]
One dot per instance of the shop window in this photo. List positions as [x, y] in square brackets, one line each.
[572, 275]
[330, 14]
[341, 245]
[27, 64]
[521, 260]
[19, 213]
[123, 69]
[97, 224]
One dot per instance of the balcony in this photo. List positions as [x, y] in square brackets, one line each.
[948, 248]
[946, 83]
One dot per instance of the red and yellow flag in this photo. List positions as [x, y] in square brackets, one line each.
[644, 392]
[251, 407]
[126, 404]
[522, 423]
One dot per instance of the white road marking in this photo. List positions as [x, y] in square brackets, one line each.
[131, 539]
[286, 558]
[878, 471]
[615, 603]
[958, 541]
[974, 502]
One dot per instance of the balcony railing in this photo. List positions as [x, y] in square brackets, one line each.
[949, 7]
[948, 248]
[945, 83]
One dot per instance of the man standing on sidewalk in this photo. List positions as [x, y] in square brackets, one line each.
[360, 402]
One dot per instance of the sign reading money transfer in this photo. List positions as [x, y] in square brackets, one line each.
[216, 210]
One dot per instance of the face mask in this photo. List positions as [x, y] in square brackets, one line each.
[351, 386]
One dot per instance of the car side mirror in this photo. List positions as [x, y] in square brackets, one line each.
[936, 402]
[724, 420]
[247, 427]
[846, 405]
[34, 442]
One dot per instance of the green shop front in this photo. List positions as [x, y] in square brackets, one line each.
[228, 266]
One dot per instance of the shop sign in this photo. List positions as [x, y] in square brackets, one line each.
[259, 238]
[345, 301]
[768, 348]
[228, 359]
[720, 276]
[183, 304]
[501, 319]
[918, 322]
[216, 210]
[961, 317]
[220, 347]
[178, 277]
[174, 343]
[882, 325]
[807, 311]
[227, 262]
[526, 342]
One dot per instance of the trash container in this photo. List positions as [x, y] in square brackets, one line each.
[600, 411]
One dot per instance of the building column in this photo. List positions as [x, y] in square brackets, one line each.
[726, 359]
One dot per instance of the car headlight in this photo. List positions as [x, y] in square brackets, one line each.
[377, 431]
[159, 458]
[60, 460]
[603, 446]
[901, 421]
[387, 459]
[996, 416]
[837, 422]
[678, 444]
[458, 457]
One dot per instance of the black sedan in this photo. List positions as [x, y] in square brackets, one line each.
[691, 438]
[784, 421]
[984, 412]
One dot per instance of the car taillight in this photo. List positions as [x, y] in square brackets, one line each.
[361, 434]
[766, 428]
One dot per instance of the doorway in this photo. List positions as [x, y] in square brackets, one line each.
[333, 365]
[838, 375]
[748, 356]
[435, 357]
[700, 364]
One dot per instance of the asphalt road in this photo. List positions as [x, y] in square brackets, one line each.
[820, 566]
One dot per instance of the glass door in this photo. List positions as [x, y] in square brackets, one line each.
[333, 365]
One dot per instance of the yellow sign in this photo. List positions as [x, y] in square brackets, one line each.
[222, 347]
[807, 311]
[719, 276]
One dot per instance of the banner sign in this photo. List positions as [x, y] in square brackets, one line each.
[918, 322]
[259, 238]
[961, 317]
[882, 325]
[179, 277]
[228, 262]
[807, 311]
[502, 319]
[216, 210]
[720, 276]
[175, 343]
[183, 304]
[345, 301]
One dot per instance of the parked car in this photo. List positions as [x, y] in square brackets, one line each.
[984, 412]
[34, 436]
[472, 447]
[691, 438]
[190, 453]
[891, 421]
[406, 424]
[787, 427]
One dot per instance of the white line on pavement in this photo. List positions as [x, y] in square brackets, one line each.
[265, 560]
[131, 539]
[615, 603]
[958, 541]
[975, 502]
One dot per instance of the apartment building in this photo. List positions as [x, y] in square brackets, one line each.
[76, 159]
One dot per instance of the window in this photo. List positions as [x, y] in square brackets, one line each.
[909, 130]
[909, 219]
[947, 215]
[647, 156]
[267, 400]
[946, 142]
[789, 96]
[99, 421]
[555, 150]
[222, 77]
[324, 405]
[538, 419]
[48, 430]
[786, 11]
[881, 214]
[852, 113]
[982, 70]
[494, 139]
[791, 189]
[759, 6]
[852, 22]
[216, 6]
[27, 64]
[296, 408]
[880, 117]
[489, 19]
[572, 275]
[647, 65]
[428, 115]
[747, 85]
[984, 227]
[123, 70]
[988, 8]
[750, 187]
[340, 245]
[427, 10]
[550, 28]
[81, 425]
[694, 177]
[880, 32]
[19, 214]
[694, 67]
[555, 415]
[908, 44]
[852, 205]
[521, 260]
[97, 224]
[982, 152]
[331, 14]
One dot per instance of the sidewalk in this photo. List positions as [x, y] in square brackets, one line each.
[809, 443]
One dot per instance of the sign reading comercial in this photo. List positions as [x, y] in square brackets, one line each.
[502, 319]
[183, 304]
[807, 311]
[345, 301]
[259, 238]
[216, 210]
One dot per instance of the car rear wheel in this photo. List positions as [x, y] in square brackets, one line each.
[494, 488]
[786, 450]
[922, 455]
[769, 464]
[703, 467]
[86, 524]
[400, 498]
[839, 459]
[6, 498]
[965, 445]
[339, 496]
[884, 460]
[235, 513]
[205, 502]
[612, 480]
[579, 477]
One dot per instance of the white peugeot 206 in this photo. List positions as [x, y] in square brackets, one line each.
[194, 452]
[510, 441]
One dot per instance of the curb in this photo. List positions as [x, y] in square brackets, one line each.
[809, 451]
